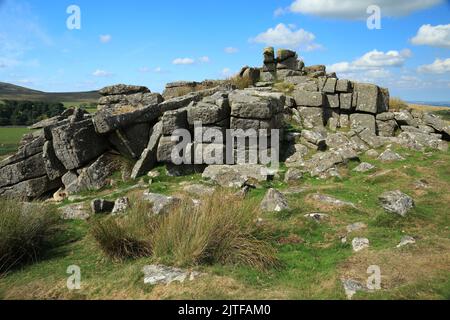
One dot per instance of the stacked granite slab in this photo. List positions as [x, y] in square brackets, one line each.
[285, 64]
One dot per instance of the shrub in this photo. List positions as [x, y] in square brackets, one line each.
[284, 87]
[26, 232]
[213, 233]
[127, 236]
[397, 104]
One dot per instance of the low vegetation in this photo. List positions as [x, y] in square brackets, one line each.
[26, 233]
[189, 235]
[397, 104]
[10, 138]
[240, 82]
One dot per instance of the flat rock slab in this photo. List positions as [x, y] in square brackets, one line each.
[75, 212]
[332, 201]
[406, 240]
[317, 216]
[159, 274]
[364, 167]
[389, 156]
[161, 203]
[237, 175]
[359, 244]
[351, 287]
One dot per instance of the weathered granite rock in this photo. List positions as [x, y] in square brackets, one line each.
[368, 97]
[404, 117]
[389, 155]
[123, 89]
[28, 149]
[331, 201]
[76, 144]
[159, 274]
[317, 216]
[343, 85]
[30, 168]
[357, 226]
[293, 175]
[148, 158]
[54, 168]
[166, 147]
[30, 189]
[364, 167]
[238, 175]
[274, 201]
[256, 105]
[102, 206]
[406, 240]
[437, 123]
[199, 190]
[396, 202]
[359, 121]
[121, 205]
[312, 117]
[308, 99]
[208, 113]
[93, 177]
[359, 244]
[174, 120]
[386, 128]
[161, 204]
[351, 287]
[76, 211]
[421, 141]
[131, 141]
[330, 85]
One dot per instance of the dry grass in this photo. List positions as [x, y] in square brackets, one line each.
[26, 232]
[213, 233]
[397, 104]
[240, 82]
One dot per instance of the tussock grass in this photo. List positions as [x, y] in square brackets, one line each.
[126, 236]
[27, 231]
[189, 235]
[240, 82]
[397, 104]
[222, 230]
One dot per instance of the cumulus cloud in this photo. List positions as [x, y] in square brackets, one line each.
[101, 73]
[438, 66]
[374, 60]
[435, 36]
[288, 37]
[357, 9]
[105, 38]
[204, 59]
[183, 61]
[231, 50]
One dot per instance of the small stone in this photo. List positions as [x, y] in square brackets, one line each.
[74, 212]
[356, 227]
[293, 175]
[102, 206]
[351, 287]
[364, 167]
[406, 240]
[332, 201]
[317, 216]
[158, 274]
[359, 244]
[389, 155]
[372, 153]
[121, 205]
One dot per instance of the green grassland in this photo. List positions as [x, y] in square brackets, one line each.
[313, 258]
[10, 138]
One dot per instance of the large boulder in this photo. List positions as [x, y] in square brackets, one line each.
[368, 97]
[131, 141]
[123, 89]
[274, 201]
[29, 168]
[308, 99]
[209, 111]
[77, 143]
[54, 168]
[30, 189]
[256, 105]
[237, 175]
[360, 121]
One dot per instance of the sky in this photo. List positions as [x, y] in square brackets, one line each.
[44, 46]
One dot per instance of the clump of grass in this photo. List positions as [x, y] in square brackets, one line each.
[284, 87]
[213, 233]
[189, 235]
[240, 82]
[27, 231]
[397, 104]
[126, 236]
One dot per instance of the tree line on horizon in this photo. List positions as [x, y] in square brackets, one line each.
[25, 113]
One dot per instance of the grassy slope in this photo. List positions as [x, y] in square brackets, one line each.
[314, 259]
[10, 138]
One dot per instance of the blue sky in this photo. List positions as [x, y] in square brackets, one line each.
[154, 42]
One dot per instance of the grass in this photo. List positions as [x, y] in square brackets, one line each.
[10, 138]
[311, 256]
[397, 104]
[26, 233]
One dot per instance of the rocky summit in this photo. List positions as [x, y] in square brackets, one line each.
[336, 120]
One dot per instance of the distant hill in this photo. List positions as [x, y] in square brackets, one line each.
[12, 92]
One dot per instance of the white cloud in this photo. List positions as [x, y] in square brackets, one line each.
[105, 38]
[204, 59]
[280, 11]
[357, 9]
[185, 61]
[231, 50]
[286, 36]
[374, 60]
[435, 36]
[438, 66]
[101, 73]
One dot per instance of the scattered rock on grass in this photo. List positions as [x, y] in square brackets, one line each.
[121, 205]
[317, 216]
[74, 212]
[159, 274]
[351, 287]
[161, 203]
[359, 244]
[364, 167]
[293, 175]
[405, 241]
[274, 201]
[102, 206]
[332, 201]
[356, 227]
[199, 190]
[396, 202]
[389, 156]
